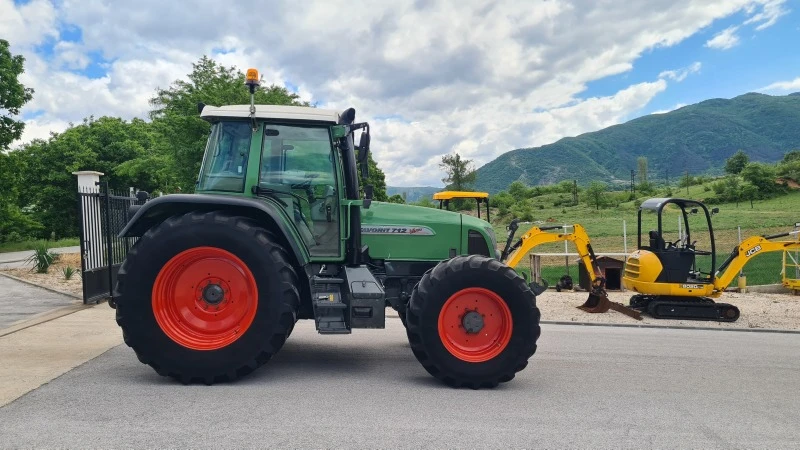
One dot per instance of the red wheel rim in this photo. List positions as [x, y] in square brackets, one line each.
[475, 325]
[205, 298]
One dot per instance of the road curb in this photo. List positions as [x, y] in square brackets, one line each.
[673, 327]
[43, 317]
[21, 280]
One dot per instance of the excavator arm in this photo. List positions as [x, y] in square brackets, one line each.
[747, 250]
[598, 298]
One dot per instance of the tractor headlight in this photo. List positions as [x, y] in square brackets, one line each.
[492, 236]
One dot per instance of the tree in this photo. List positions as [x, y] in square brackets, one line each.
[518, 190]
[14, 225]
[47, 186]
[792, 156]
[183, 133]
[761, 176]
[595, 193]
[736, 163]
[789, 167]
[460, 174]
[641, 162]
[376, 178]
[13, 95]
[749, 192]
[396, 198]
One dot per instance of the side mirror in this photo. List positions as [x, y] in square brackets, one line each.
[367, 196]
[694, 210]
[363, 154]
[363, 146]
[142, 196]
[715, 211]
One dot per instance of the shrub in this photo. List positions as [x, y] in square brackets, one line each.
[42, 258]
[68, 271]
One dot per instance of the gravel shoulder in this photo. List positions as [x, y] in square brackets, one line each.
[767, 311]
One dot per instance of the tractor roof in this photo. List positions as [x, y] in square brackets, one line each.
[271, 112]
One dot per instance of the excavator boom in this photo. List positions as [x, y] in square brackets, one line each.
[747, 250]
[598, 300]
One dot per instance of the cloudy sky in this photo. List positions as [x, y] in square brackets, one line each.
[431, 76]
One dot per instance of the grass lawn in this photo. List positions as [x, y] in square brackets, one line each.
[31, 244]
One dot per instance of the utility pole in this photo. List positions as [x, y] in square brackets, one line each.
[687, 181]
[633, 185]
[575, 192]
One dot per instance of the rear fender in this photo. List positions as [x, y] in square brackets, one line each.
[161, 208]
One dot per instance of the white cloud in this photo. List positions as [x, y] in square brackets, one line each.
[782, 86]
[27, 24]
[681, 74]
[478, 78]
[771, 11]
[725, 39]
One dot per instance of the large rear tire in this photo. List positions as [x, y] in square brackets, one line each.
[473, 322]
[206, 297]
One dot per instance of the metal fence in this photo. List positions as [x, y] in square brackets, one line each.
[103, 214]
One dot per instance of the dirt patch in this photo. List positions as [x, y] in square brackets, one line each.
[767, 311]
[54, 278]
[790, 183]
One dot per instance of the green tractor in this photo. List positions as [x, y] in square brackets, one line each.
[279, 230]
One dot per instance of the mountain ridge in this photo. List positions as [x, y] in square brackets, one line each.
[696, 138]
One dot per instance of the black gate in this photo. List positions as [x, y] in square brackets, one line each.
[103, 214]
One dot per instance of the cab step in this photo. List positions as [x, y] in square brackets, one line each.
[330, 310]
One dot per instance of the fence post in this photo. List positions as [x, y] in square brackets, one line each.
[740, 243]
[625, 237]
[88, 182]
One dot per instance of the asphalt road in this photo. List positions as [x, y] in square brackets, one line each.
[20, 301]
[587, 387]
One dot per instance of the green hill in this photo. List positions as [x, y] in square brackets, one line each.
[696, 138]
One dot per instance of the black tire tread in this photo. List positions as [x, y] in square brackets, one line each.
[420, 297]
[259, 235]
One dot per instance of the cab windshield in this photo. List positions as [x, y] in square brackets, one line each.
[225, 162]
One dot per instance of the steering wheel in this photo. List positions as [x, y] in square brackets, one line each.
[671, 245]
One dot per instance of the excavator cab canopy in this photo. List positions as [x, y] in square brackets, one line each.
[445, 197]
[678, 257]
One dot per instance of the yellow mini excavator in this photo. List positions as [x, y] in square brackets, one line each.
[598, 301]
[665, 274]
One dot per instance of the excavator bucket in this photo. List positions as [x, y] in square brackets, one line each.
[537, 288]
[598, 302]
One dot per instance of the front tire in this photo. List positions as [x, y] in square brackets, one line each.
[473, 322]
[206, 297]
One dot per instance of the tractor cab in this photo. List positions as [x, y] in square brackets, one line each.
[445, 197]
[678, 231]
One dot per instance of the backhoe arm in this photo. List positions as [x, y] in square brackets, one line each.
[598, 301]
[537, 236]
[748, 249]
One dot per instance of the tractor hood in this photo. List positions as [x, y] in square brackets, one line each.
[413, 233]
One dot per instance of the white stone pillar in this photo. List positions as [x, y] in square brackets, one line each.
[92, 221]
